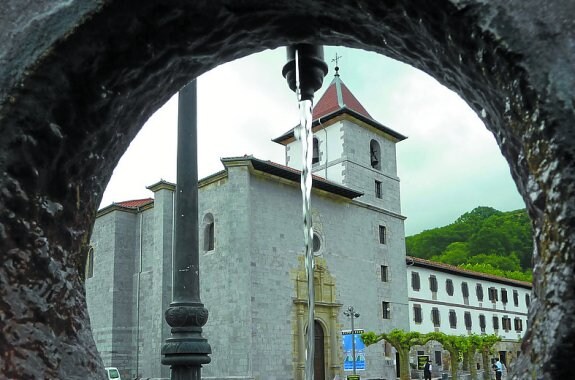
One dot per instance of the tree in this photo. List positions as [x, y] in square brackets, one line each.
[402, 341]
[483, 344]
[455, 345]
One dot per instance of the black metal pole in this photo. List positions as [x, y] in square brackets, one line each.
[186, 350]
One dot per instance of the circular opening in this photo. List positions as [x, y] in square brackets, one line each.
[316, 243]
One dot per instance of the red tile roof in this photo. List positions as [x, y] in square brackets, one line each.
[135, 203]
[336, 101]
[411, 260]
[336, 97]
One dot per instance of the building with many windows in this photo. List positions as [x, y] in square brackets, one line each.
[461, 302]
[253, 279]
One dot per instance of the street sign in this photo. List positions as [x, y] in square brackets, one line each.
[348, 336]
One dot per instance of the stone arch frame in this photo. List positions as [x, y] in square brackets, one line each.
[79, 79]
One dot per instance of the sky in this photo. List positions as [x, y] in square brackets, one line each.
[448, 165]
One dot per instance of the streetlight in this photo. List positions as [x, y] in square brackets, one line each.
[350, 312]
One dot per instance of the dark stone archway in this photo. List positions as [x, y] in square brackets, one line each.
[79, 77]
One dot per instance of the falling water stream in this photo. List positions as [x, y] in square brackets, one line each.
[304, 134]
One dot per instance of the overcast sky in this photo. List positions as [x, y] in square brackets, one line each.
[449, 164]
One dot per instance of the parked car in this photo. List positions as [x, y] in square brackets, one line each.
[113, 373]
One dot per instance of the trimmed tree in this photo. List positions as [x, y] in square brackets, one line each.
[483, 344]
[455, 345]
[402, 341]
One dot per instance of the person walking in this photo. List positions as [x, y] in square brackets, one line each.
[427, 370]
[498, 369]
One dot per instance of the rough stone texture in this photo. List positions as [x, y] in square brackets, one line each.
[80, 77]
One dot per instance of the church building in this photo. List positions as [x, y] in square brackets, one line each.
[252, 273]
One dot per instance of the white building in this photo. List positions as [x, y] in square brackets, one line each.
[456, 301]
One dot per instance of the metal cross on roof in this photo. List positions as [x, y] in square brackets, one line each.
[336, 60]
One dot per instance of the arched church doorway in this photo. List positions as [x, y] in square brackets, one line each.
[319, 353]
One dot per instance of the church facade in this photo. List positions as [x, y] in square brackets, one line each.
[252, 274]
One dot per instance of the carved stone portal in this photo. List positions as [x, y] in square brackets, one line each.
[326, 314]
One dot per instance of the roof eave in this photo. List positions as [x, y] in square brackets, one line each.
[283, 139]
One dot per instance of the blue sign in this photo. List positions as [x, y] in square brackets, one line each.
[348, 358]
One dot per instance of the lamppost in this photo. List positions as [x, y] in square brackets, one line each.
[350, 312]
[186, 350]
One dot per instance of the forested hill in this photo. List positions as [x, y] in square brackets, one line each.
[484, 240]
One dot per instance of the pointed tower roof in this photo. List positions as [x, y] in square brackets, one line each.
[336, 97]
[338, 100]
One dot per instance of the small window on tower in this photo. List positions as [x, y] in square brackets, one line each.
[315, 157]
[386, 310]
[382, 235]
[378, 189]
[375, 155]
[384, 273]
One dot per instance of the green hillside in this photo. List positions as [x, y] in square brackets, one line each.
[485, 240]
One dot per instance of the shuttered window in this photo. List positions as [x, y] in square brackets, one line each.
[435, 317]
[465, 290]
[433, 283]
[479, 292]
[452, 319]
[467, 318]
[415, 281]
[417, 317]
[449, 286]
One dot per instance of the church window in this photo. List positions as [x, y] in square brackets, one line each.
[90, 263]
[378, 189]
[316, 242]
[415, 281]
[449, 286]
[515, 298]
[435, 317]
[386, 310]
[384, 273]
[417, 317]
[315, 156]
[382, 235]
[375, 155]
[465, 290]
[452, 319]
[433, 283]
[209, 233]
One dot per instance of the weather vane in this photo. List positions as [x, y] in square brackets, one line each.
[336, 60]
